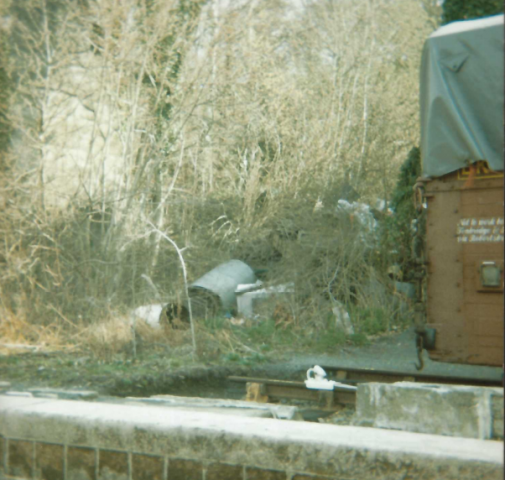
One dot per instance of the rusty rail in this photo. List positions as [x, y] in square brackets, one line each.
[265, 389]
[372, 375]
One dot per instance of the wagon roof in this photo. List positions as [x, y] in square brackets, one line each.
[462, 96]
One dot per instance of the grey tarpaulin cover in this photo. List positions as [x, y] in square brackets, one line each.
[462, 96]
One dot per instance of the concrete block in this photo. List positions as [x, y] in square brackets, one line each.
[221, 471]
[81, 463]
[12, 393]
[49, 461]
[64, 394]
[246, 300]
[190, 441]
[497, 415]
[460, 411]
[21, 458]
[112, 465]
[147, 467]
[185, 470]
[309, 477]
[262, 474]
[3, 450]
[4, 386]
[223, 406]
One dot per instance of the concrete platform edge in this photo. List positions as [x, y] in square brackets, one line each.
[327, 451]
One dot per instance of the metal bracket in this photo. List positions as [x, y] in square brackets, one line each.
[419, 348]
[429, 338]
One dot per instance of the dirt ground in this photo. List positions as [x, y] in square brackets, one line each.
[155, 373]
[395, 352]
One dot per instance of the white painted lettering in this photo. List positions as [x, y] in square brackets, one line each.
[480, 230]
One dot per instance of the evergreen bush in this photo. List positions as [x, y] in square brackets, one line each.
[397, 231]
[454, 10]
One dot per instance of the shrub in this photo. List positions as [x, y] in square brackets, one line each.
[454, 10]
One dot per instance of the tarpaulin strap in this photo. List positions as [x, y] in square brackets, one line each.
[471, 177]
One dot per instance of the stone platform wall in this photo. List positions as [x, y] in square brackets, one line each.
[75, 440]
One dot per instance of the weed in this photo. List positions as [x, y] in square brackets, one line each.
[248, 360]
[329, 340]
[257, 333]
[231, 357]
[371, 320]
[358, 339]
[214, 323]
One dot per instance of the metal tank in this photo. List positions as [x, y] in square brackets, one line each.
[215, 291]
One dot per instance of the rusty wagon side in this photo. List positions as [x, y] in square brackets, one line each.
[464, 235]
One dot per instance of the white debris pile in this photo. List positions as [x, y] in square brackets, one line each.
[382, 206]
[151, 314]
[342, 318]
[361, 213]
[248, 295]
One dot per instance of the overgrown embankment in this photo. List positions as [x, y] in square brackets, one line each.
[233, 130]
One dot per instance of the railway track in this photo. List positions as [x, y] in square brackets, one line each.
[265, 390]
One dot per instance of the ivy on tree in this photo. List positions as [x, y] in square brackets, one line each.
[455, 10]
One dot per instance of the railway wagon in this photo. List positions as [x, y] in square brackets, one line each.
[461, 191]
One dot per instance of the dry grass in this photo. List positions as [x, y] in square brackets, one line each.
[236, 145]
[107, 337]
[17, 335]
[114, 336]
